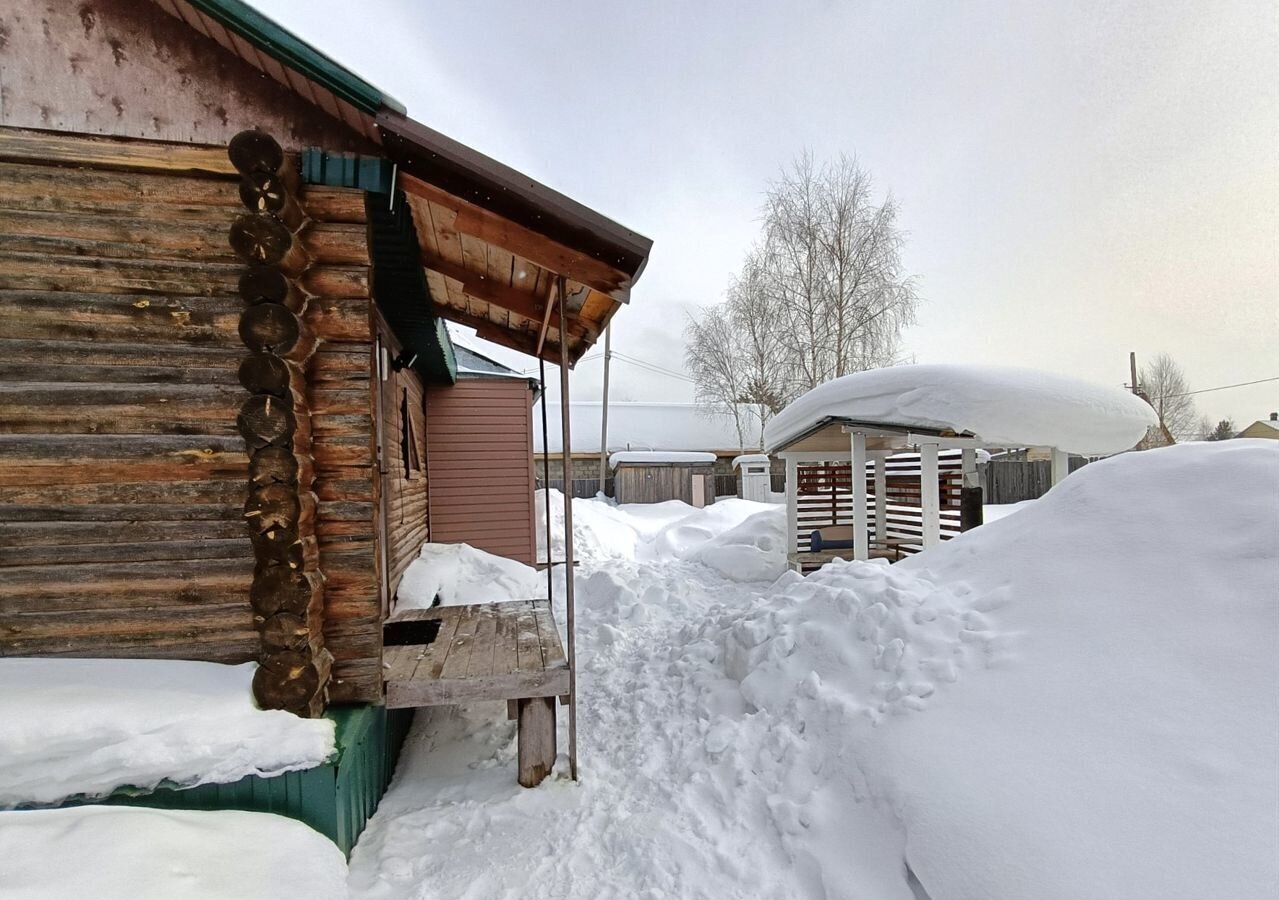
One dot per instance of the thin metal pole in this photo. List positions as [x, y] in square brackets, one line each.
[608, 355]
[546, 474]
[568, 537]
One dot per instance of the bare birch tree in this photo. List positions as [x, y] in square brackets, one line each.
[824, 294]
[1164, 385]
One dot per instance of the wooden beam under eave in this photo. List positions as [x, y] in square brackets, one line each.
[536, 248]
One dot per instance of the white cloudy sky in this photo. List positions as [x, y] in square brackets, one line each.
[1079, 179]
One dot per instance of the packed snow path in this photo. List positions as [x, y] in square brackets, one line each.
[646, 820]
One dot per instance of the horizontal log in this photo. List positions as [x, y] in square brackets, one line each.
[68, 502]
[329, 427]
[114, 237]
[63, 149]
[122, 363]
[236, 645]
[335, 321]
[19, 535]
[345, 511]
[82, 274]
[344, 489]
[334, 204]
[139, 585]
[332, 243]
[340, 365]
[147, 551]
[340, 452]
[100, 624]
[145, 195]
[329, 401]
[88, 459]
[117, 409]
[337, 282]
[119, 318]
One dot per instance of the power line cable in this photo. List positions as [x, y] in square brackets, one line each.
[1225, 387]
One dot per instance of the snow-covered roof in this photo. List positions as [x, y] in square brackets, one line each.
[751, 459]
[658, 457]
[1000, 406]
[644, 426]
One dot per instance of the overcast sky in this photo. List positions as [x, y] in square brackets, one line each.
[1078, 179]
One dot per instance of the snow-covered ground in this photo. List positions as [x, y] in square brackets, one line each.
[88, 726]
[1078, 701]
[120, 853]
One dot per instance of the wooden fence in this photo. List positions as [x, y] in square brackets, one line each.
[1011, 481]
[825, 497]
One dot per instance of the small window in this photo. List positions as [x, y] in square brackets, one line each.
[408, 439]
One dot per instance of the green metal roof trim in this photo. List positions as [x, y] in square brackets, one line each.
[399, 281]
[292, 51]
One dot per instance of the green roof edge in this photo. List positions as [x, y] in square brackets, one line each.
[290, 50]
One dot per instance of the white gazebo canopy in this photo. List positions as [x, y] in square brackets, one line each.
[864, 416]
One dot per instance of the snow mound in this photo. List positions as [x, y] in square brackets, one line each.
[1002, 406]
[1079, 701]
[122, 853]
[460, 574]
[604, 531]
[88, 726]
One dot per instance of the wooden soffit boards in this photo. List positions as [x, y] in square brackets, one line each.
[500, 277]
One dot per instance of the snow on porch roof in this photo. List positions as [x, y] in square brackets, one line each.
[1000, 406]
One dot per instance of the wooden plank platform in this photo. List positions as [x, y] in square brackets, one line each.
[490, 651]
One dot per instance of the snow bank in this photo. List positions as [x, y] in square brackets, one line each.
[120, 853]
[88, 726]
[658, 457]
[1079, 701]
[731, 535]
[1002, 406]
[460, 574]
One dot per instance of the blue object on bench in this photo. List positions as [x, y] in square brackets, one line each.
[817, 545]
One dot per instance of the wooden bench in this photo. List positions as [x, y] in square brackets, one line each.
[492, 651]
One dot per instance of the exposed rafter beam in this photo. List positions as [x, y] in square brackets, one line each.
[536, 248]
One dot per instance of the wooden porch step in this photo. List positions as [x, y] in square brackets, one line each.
[490, 651]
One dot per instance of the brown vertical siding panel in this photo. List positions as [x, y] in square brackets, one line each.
[480, 450]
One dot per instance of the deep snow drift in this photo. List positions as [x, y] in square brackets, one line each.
[1078, 701]
[87, 726]
[1002, 406]
[120, 853]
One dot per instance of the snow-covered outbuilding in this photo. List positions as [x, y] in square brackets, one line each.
[654, 476]
[754, 478]
[856, 423]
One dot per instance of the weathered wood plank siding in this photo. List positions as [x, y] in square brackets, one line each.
[479, 437]
[122, 475]
[404, 477]
[340, 385]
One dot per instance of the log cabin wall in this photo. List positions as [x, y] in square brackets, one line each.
[404, 470]
[126, 68]
[480, 452]
[122, 474]
[342, 389]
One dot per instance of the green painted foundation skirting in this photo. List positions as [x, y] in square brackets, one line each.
[336, 799]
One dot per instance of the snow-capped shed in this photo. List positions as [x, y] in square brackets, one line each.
[854, 424]
[225, 266]
[654, 476]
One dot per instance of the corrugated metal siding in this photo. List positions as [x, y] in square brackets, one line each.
[479, 445]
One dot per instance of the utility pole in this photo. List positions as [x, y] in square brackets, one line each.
[608, 355]
[1132, 368]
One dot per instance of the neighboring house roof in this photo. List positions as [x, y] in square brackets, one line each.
[522, 234]
[644, 426]
[1263, 428]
